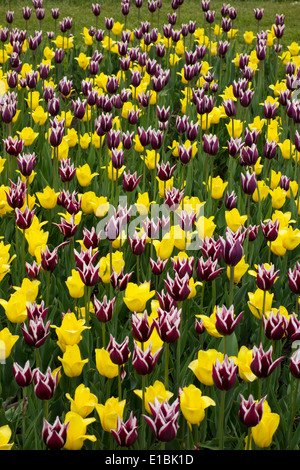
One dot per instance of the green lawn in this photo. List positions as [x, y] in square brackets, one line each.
[81, 12]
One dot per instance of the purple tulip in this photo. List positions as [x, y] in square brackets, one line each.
[224, 374]
[250, 412]
[164, 421]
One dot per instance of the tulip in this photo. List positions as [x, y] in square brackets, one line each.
[225, 321]
[109, 412]
[262, 364]
[45, 384]
[193, 404]
[71, 361]
[168, 324]
[119, 353]
[294, 278]
[250, 412]
[104, 364]
[23, 375]
[263, 432]
[203, 365]
[207, 269]
[55, 435]
[70, 330]
[84, 401]
[126, 433]
[142, 328]
[5, 435]
[164, 423]
[266, 277]
[77, 428]
[136, 296]
[143, 361]
[224, 374]
[275, 325]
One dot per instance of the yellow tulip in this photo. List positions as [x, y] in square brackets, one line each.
[84, 175]
[209, 323]
[104, 364]
[39, 116]
[83, 402]
[234, 220]
[244, 359]
[7, 341]
[143, 203]
[5, 259]
[294, 48]
[287, 149]
[205, 227]
[164, 248]
[83, 60]
[33, 100]
[239, 270]
[77, 428]
[248, 37]
[277, 246]
[117, 28]
[150, 159]
[88, 39]
[104, 265]
[217, 186]
[235, 129]
[291, 238]
[28, 135]
[48, 197]
[193, 404]
[136, 296]
[71, 361]
[203, 365]
[75, 285]
[70, 330]
[263, 432]
[62, 150]
[158, 391]
[5, 435]
[261, 191]
[255, 302]
[109, 412]
[64, 42]
[278, 196]
[15, 307]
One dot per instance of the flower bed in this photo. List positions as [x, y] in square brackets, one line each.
[150, 234]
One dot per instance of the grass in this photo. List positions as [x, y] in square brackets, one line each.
[81, 12]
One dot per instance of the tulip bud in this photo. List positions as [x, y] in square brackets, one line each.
[225, 321]
[55, 435]
[23, 376]
[224, 374]
[250, 412]
[119, 353]
[266, 277]
[45, 384]
[164, 421]
[262, 364]
[143, 361]
[141, 329]
[104, 310]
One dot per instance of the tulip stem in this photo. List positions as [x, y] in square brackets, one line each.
[221, 421]
[48, 274]
[119, 383]
[293, 406]
[248, 445]
[231, 282]
[167, 365]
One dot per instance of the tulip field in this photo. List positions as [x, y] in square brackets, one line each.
[149, 226]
